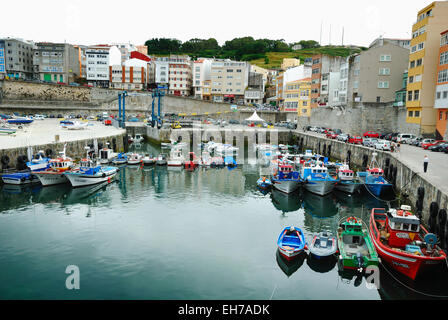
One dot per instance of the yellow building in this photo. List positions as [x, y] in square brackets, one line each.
[290, 63]
[297, 97]
[423, 62]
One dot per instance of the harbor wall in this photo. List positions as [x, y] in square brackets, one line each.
[74, 149]
[407, 181]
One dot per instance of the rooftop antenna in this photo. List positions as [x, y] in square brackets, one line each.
[330, 36]
[320, 39]
[342, 36]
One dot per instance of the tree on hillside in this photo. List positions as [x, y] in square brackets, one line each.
[309, 44]
[163, 45]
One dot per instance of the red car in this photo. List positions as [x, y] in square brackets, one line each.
[108, 122]
[355, 140]
[371, 134]
[427, 145]
[328, 134]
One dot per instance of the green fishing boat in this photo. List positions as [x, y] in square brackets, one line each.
[356, 249]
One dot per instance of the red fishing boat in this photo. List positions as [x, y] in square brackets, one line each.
[403, 243]
[192, 161]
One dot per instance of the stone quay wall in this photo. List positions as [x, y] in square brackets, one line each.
[407, 181]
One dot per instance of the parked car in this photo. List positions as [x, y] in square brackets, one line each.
[426, 141]
[415, 141]
[328, 134]
[108, 122]
[430, 144]
[371, 134]
[405, 137]
[313, 129]
[438, 147]
[38, 117]
[343, 137]
[355, 139]
[369, 142]
[382, 145]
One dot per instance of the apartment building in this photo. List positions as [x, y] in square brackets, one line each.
[18, 58]
[82, 60]
[125, 50]
[441, 95]
[324, 78]
[423, 65]
[298, 97]
[142, 49]
[180, 76]
[290, 63]
[229, 80]
[2, 60]
[378, 71]
[127, 77]
[292, 74]
[201, 73]
[98, 62]
[56, 62]
[254, 92]
[158, 73]
[400, 95]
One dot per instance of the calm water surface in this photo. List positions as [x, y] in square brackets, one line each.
[159, 233]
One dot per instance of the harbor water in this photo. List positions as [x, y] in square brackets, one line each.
[162, 233]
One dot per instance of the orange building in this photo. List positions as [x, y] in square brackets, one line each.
[316, 72]
[441, 98]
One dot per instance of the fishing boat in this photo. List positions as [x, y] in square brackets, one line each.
[19, 178]
[149, 160]
[317, 179]
[217, 162]
[106, 155]
[19, 120]
[206, 159]
[161, 160]
[55, 174]
[356, 249]
[192, 161]
[121, 158]
[173, 144]
[264, 183]
[324, 244]
[135, 159]
[89, 173]
[39, 162]
[403, 243]
[225, 150]
[230, 162]
[347, 181]
[284, 177]
[176, 158]
[5, 129]
[291, 242]
[77, 125]
[373, 178]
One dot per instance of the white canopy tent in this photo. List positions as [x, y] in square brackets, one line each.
[255, 118]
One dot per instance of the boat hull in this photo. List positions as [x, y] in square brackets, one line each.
[81, 180]
[347, 187]
[19, 178]
[321, 188]
[174, 163]
[286, 186]
[289, 254]
[51, 178]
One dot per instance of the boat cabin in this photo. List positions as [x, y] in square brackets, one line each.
[61, 164]
[376, 172]
[403, 227]
[346, 175]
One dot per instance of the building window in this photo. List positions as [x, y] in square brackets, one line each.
[438, 96]
[356, 72]
[444, 40]
[440, 115]
[417, 114]
[411, 79]
[412, 64]
[445, 94]
[416, 95]
[410, 114]
[419, 62]
[418, 78]
[409, 95]
[383, 84]
[443, 76]
[385, 57]
[384, 71]
[444, 58]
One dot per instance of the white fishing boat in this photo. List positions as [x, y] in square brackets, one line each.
[225, 150]
[138, 138]
[89, 173]
[106, 155]
[206, 159]
[135, 158]
[347, 180]
[56, 173]
[149, 160]
[161, 159]
[176, 158]
[317, 179]
[77, 125]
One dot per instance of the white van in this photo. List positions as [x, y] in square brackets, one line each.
[105, 115]
[405, 137]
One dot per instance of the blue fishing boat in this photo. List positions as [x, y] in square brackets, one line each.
[121, 158]
[20, 178]
[230, 162]
[20, 120]
[284, 176]
[291, 242]
[317, 179]
[39, 162]
[264, 183]
[373, 179]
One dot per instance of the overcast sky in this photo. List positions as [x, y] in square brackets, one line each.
[101, 21]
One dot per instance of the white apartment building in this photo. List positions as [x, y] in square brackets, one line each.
[229, 80]
[97, 59]
[127, 77]
[201, 73]
[125, 50]
[175, 71]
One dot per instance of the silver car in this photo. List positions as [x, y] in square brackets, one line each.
[343, 137]
[369, 142]
[382, 145]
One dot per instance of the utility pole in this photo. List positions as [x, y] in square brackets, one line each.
[342, 36]
[320, 39]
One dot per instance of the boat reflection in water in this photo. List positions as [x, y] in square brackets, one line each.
[289, 267]
[321, 207]
[78, 195]
[52, 194]
[321, 265]
[285, 202]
